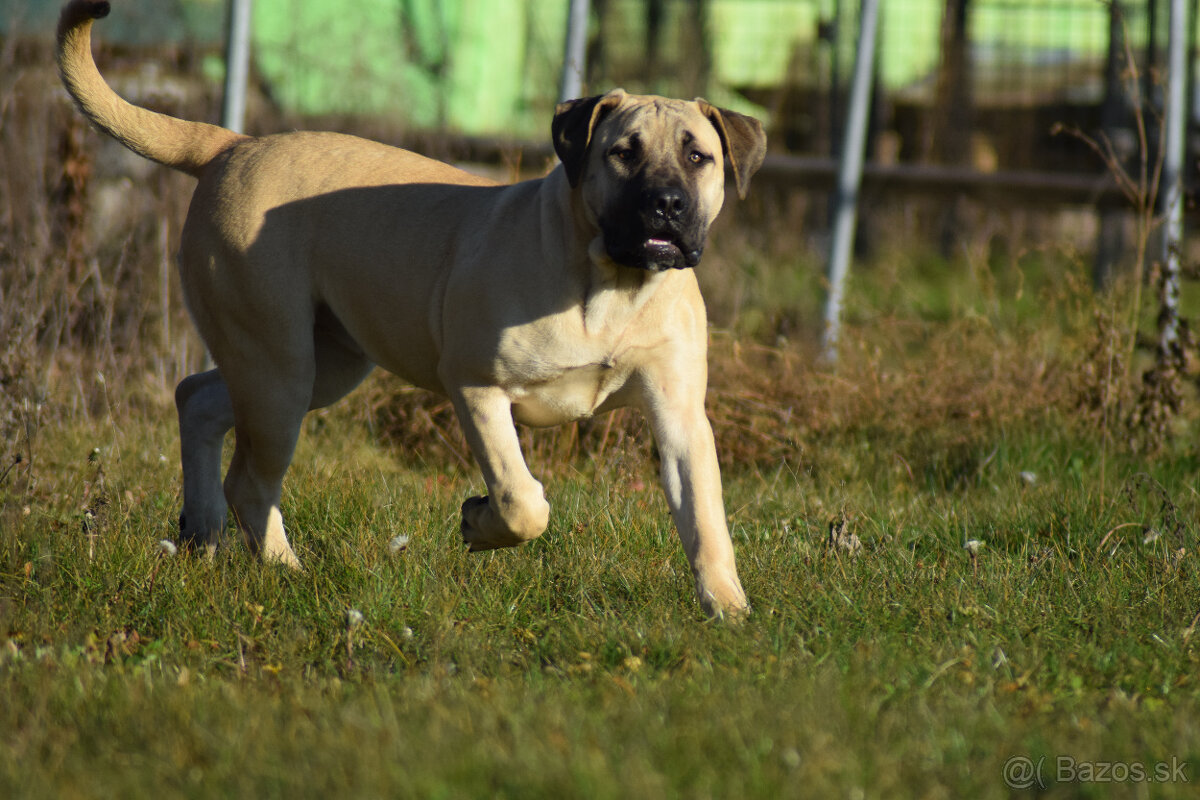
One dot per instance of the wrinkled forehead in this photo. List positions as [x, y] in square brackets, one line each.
[661, 121]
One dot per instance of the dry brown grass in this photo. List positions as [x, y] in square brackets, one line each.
[770, 405]
[89, 315]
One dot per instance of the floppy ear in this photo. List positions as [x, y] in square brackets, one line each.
[743, 139]
[574, 123]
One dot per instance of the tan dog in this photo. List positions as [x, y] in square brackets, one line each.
[309, 258]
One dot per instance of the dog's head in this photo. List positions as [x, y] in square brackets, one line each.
[651, 171]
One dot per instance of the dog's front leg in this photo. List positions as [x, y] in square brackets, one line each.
[691, 480]
[514, 510]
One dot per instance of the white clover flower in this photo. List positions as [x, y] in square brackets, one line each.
[398, 544]
[354, 618]
[973, 546]
[167, 548]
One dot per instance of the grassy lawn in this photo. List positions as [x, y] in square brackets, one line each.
[1020, 615]
[580, 664]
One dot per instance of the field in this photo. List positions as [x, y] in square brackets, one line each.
[1012, 606]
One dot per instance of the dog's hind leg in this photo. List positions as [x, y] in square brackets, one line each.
[205, 416]
[341, 363]
[267, 415]
[270, 394]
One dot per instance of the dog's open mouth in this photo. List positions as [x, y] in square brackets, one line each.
[651, 250]
[661, 254]
[662, 250]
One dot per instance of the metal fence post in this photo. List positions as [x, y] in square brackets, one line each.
[1172, 179]
[237, 65]
[849, 178]
[1110, 238]
[575, 54]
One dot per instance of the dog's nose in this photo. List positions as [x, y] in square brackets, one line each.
[668, 203]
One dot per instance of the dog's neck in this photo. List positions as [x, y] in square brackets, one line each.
[613, 295]
[610, 295]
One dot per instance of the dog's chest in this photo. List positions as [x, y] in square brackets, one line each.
[573, 364]
[556, 373]
[570, 394]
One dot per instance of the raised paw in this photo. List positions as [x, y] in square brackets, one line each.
[473, 508]
[484, 527]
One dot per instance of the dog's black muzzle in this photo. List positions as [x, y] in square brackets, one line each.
[657, 229]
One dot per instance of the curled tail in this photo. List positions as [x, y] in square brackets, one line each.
[182, 145]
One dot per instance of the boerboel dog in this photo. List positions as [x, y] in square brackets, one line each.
[309, 258]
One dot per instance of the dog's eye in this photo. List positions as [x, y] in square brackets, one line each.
[622, 154]
[696, 157]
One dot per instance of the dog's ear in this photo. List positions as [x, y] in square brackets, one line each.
[742, 137]
[574, 123]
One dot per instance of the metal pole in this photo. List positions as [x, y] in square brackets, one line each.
[1172, 180]
[1110, 237]
[575, 55]
[835, 78]
[237, 65]
[850, 174]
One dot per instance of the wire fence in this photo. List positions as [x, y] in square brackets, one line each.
[976, 82]
[973, 82]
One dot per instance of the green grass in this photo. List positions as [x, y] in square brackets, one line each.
[580, 665]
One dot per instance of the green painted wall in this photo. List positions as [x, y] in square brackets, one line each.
[492, 66]
[466, 65]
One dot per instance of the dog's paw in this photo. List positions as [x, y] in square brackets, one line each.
[194, 539]
[723, 599]
[484, 527]
[473, 511]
